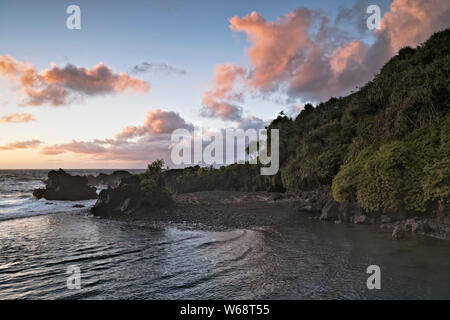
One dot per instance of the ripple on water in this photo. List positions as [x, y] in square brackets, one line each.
[137, 260]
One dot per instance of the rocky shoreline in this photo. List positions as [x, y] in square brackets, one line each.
[400, 224]
[236, 209]
[145, 196]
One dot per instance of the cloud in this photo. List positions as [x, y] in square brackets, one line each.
[30, 144]
[304, 56]
[151, 141]
[275, 45]
[251, 122]
[145, 149]
[17, 118]
[75, 147]
[294, 110]
[142, 144]
[157, 122]
[223, 110]
[295, 53]
[61, 86]
[158, 68]
[350, 53]
[216, 101]
[357, 14]
[410, 22]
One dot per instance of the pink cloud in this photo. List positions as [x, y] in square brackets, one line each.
[302, 55]
[60, 86]
[145, 149]
[275, 45]
[17, 118]
[293, 55]
[75, 147]
[215, 101]
[410, 22]
[156, 122]
[30, 144]
[153, 139]
[349, 53]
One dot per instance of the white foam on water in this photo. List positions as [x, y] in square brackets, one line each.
[21, 208]
[17, 201]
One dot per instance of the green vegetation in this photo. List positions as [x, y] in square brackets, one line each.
[152, 184]
[149, 187]
[238, 177]
[385, 146]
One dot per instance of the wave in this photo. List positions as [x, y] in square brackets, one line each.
[27, 206]
[16, 188]
[58, 209]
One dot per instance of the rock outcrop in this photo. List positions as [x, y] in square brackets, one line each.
[344, 211]
[400, 224]
[311, 201]
[131, 198]
[111, 180]
[62, 186]
[398, 233]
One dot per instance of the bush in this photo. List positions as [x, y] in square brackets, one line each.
[391, 179]
[436, 183]
[152, 186]
[400, 175]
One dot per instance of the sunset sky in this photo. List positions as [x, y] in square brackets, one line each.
[110, 94]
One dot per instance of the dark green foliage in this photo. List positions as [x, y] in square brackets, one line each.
[436, 182]
[391, 178]
[399, 155]
[386, 146]
[138, 194]
[407, 174]
[152, 186]
[238, 177]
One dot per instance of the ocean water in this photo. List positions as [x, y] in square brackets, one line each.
[16, 188]
[16, 199]
[297, 259]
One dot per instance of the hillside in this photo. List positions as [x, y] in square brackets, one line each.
[385, 146]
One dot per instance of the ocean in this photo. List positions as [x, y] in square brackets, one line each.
[41, 240]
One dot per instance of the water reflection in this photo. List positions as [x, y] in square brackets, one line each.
[302, 259]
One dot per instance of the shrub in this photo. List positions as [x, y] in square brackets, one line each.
[152, 186]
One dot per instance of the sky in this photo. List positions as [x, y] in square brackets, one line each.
[109, 95]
